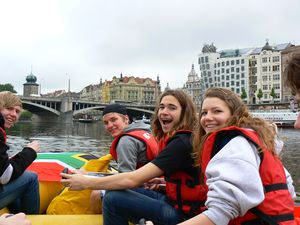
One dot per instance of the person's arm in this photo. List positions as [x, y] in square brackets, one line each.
[23, 159]
[290, 184]
[115, 182]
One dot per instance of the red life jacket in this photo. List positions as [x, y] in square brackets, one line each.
[4, 134]
[278, 206]
[151, 144]
[185, 192]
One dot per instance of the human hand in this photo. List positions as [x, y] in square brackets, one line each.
[35, 145]
[157, 183]
[75, 181]
[19, 219]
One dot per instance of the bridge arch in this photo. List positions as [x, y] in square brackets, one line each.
[36, 108]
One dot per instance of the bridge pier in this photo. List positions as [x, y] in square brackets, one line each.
[66, 117]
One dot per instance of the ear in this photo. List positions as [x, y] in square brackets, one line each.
[127, 121]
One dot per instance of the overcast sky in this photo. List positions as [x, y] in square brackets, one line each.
[85, 40]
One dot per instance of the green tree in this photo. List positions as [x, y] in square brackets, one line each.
[7, 87]
[244, 94]
[259, 94]
[26, 115]
[272, 93]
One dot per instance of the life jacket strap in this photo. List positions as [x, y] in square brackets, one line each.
[275, 187]
[267, 219]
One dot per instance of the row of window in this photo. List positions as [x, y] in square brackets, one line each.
[268, 59]
[219, 64]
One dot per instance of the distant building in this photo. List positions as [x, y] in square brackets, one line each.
[194, 87]
[91, 92]
[105, 89]
[30, 88]
[248, 69]
[134, 89]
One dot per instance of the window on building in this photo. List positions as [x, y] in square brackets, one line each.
[275, 58]
[242, 61]
[276, 86]
[265, 87]
[276, 77]
[227, 70]
[242, 82]
[227, 63]
[223, 63]
[206, 59]
[265, 78]
[232, 69]
[265, 69]
[276, 68]
[227, 84]
[232, 83]
[232, 76]
[242, 75]
[264, 60]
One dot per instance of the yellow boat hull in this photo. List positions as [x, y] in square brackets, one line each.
[66, 219]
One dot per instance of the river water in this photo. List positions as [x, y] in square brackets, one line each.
[92, 138]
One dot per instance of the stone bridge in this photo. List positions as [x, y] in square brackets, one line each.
[67, 106]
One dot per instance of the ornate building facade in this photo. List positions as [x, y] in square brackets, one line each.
[133, 89]
[194, 87]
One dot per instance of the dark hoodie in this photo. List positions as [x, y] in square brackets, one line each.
[12, 168]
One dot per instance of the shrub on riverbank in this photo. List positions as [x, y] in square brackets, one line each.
[26, 115]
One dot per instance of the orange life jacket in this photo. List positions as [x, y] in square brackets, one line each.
[151, 144]
[278, 206]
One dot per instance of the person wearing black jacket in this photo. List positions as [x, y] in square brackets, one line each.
[19, 189]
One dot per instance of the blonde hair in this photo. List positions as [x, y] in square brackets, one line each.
[188, 115]
[9, 99]
[240, 117]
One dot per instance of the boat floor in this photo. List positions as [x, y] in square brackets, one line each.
[66, 219]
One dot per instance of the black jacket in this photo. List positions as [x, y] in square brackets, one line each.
[19, 162]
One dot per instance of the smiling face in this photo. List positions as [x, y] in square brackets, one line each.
[11, 115]
[169, 113]
[214, 114]
[115, 123]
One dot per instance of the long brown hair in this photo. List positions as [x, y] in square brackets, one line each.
[188, 115]
[240, 117]
[292, 74]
